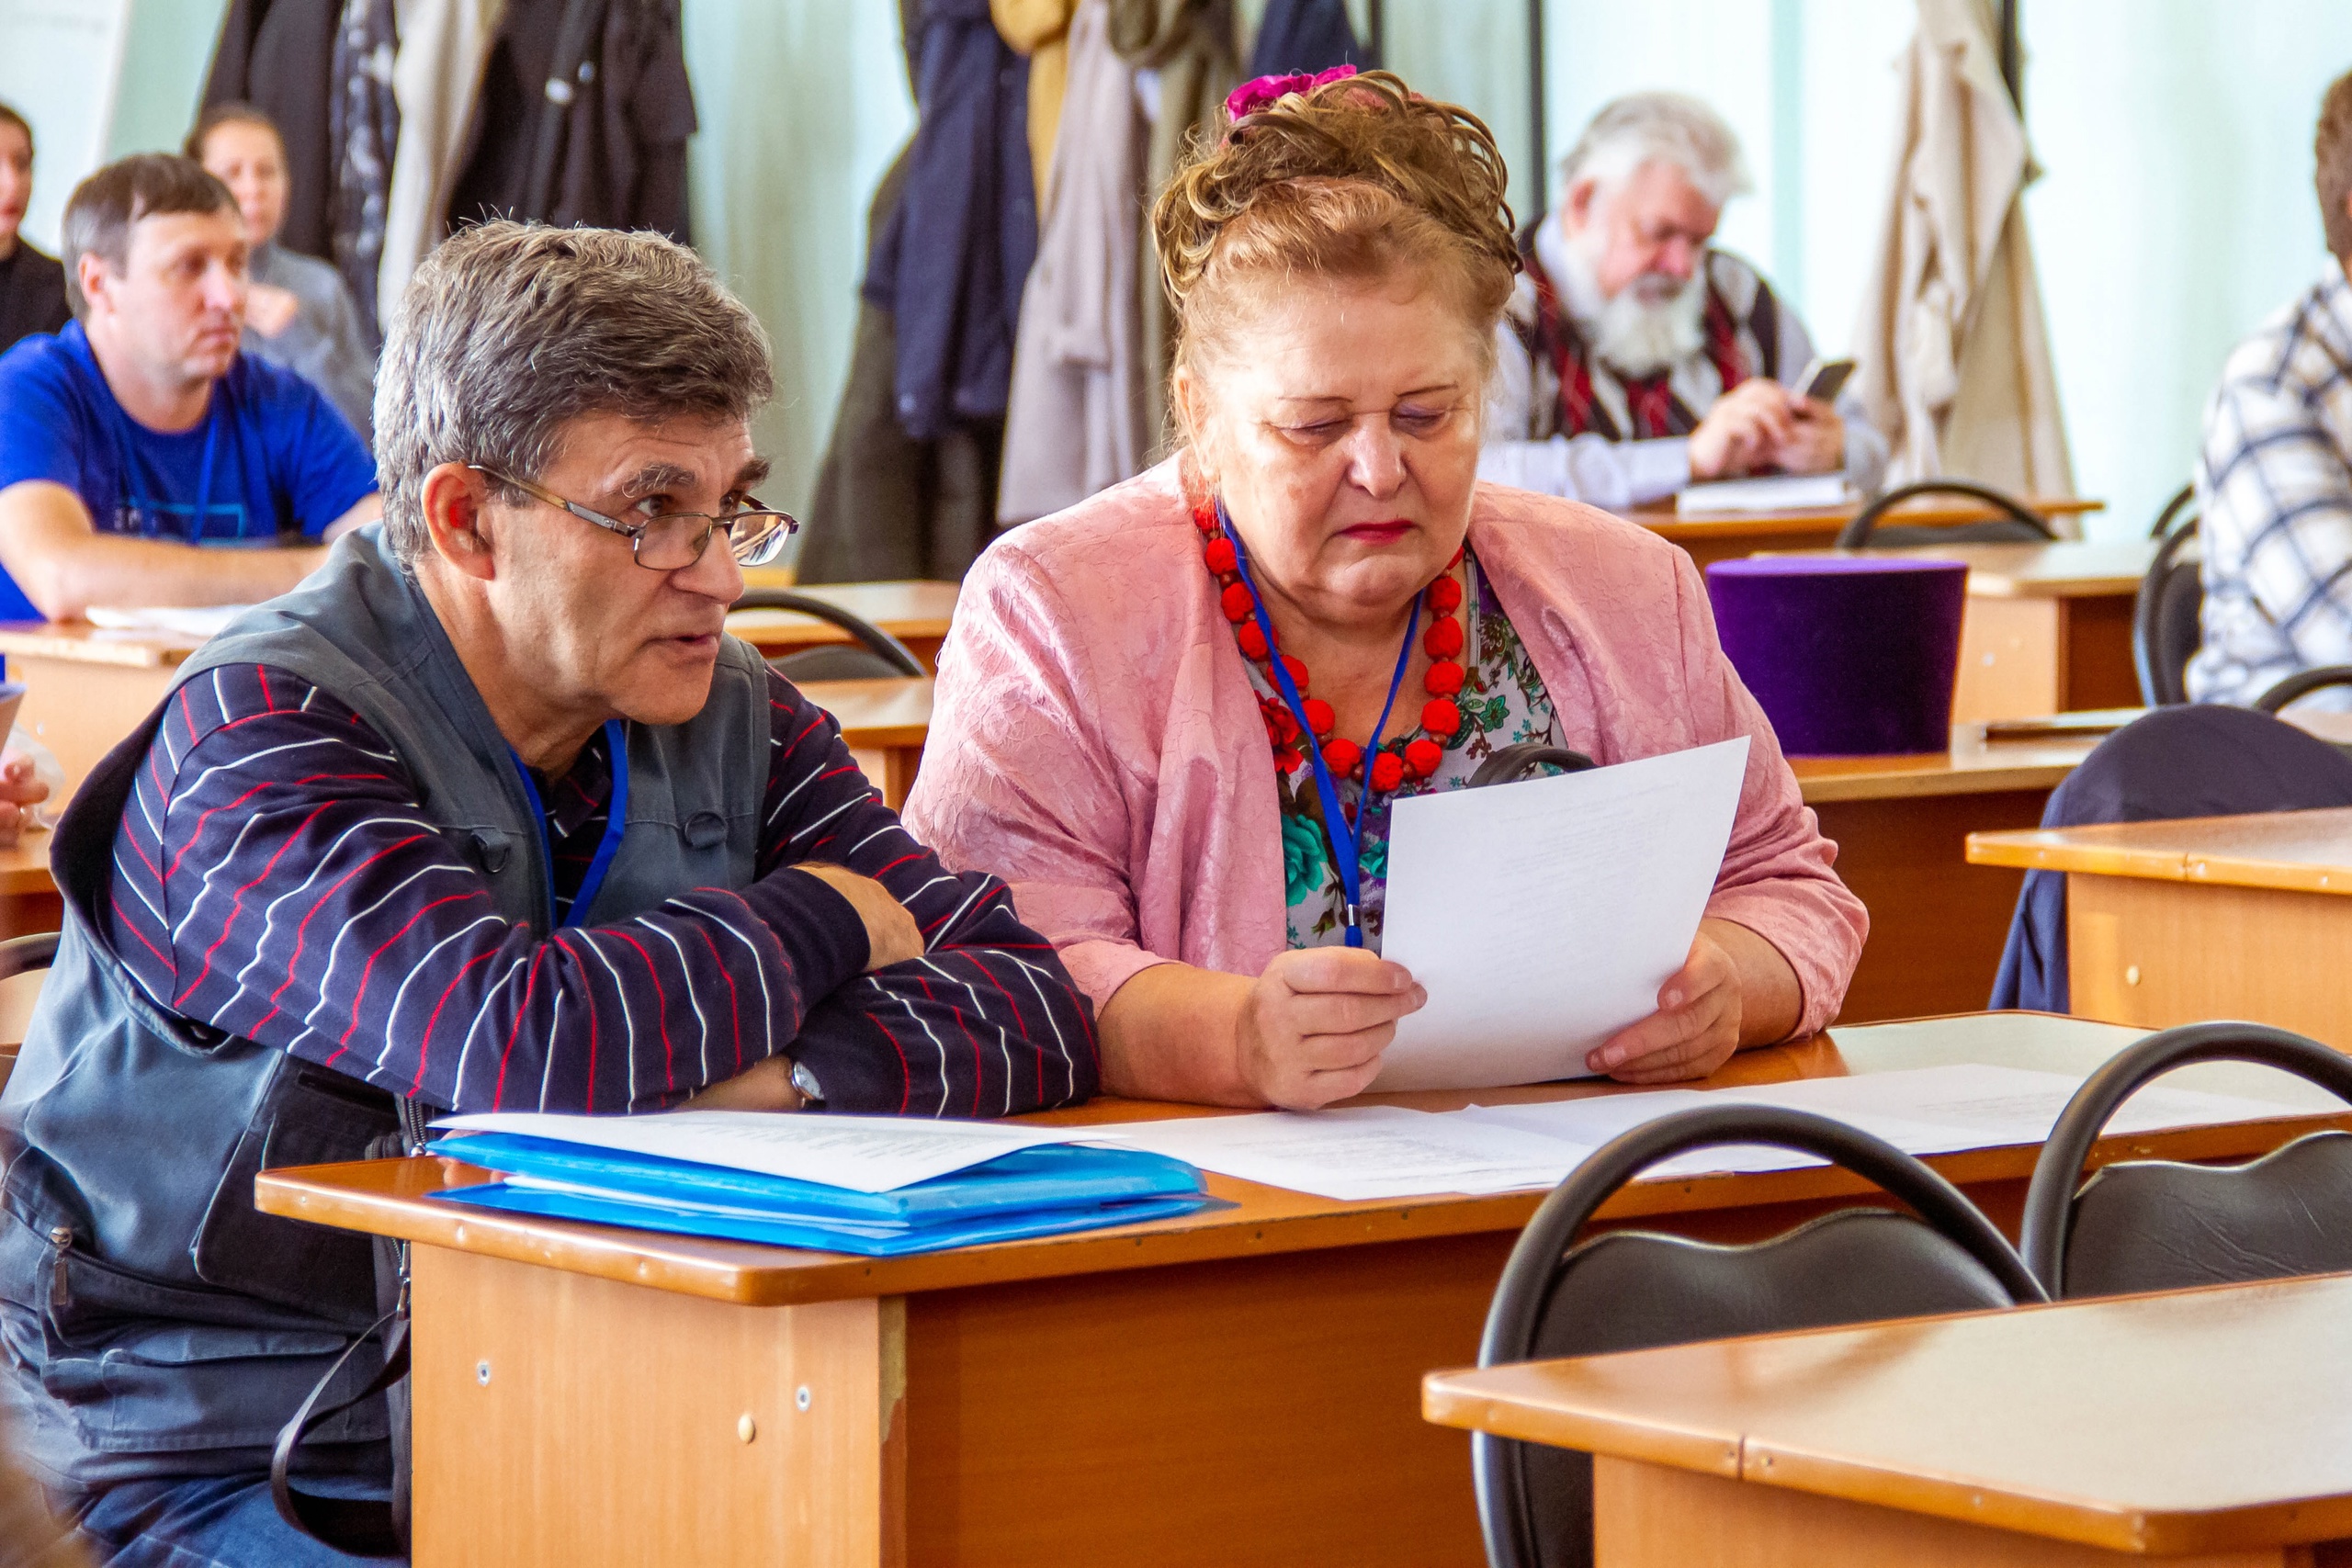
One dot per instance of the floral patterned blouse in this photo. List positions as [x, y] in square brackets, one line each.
[1502, 702]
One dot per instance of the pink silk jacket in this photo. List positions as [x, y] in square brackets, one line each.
[1095, 742]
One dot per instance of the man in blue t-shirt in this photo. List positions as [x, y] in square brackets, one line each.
[139, 433]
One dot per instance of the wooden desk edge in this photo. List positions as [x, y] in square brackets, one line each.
[2057, 850]
[1458, 1398]
[751, 1275]
[1894, 786]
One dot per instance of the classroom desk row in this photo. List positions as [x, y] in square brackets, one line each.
[1236, 1386]
[2048, 630]
[2206, 1426]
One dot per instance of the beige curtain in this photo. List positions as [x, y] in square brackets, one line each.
[1955, 359]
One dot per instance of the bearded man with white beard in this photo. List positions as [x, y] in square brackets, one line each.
[1635, 359]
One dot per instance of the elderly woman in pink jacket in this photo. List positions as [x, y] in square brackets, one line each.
[1151, 704]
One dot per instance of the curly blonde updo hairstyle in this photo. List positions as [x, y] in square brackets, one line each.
[1358, 180]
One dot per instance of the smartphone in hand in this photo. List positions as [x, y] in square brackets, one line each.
[1825, 378]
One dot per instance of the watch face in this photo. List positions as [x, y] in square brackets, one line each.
[805, 1082]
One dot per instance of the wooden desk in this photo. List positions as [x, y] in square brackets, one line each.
[86, 689]
[917, 613]
[2209, 1426]
[1727, 535]
[2216, 917]
[1902, 824]
[883, 724]
[2048, 627]
[29, 900]
[1234, 1387]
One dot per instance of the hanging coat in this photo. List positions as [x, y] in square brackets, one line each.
[582, 117]
[1187, 46]
[278, 57]
[951, 259]
[1075, 425]
[437, 75]
[1955, 360]
[1307, 35]
[1039, 30]
[364, 126]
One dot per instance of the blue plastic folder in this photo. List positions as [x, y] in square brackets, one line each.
[1046, 1191]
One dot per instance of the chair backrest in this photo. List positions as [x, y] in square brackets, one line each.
[2018, 525]
[2155, 1225]
[2302, 685]
[2182, 500]
[19, 955]
[2167, 620]
[887, 655]
[1630, 1289]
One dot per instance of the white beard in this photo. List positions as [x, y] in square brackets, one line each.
[1654, 323]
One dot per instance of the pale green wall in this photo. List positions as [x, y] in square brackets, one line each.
[803, 105]
[163, 65]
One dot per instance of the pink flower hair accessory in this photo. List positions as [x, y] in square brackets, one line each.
[1253, 96]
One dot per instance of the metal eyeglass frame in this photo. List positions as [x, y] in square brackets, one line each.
[635, 532]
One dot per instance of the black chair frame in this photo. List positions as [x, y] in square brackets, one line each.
[2182, 500]
[1516, 1314]
[2057, 1175]
[2160, 685]
[881, 644]
[1509, 764]
[1856, 534]
[21, 954]
[2303, 684]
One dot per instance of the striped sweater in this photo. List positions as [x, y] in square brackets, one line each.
[274, 878]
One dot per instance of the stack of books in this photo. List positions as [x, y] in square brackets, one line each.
[876, 1186]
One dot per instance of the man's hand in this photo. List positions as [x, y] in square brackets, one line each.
[1315, 1022]
[764, 1086]
[891, 934]
[1743, 431]
[270, 310]
[1694, 1030]
[19, 791]
[1816, 440]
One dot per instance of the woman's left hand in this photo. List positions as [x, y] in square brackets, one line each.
[1694, 1030]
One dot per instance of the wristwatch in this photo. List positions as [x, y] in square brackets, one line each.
[805, 1082]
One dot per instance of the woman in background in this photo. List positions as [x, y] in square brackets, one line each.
[299, 313]
[32, 285]
[1175, 717]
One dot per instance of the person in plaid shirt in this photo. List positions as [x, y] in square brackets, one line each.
[2274, 480]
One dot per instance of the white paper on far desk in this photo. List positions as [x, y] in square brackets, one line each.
[864, 1154]
[1544, 916]
[1360, 1152]
[201, 622]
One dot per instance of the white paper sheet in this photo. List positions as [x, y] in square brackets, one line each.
[1362, 1152]
[1966, 1105]
[1544, 916]
[199, 621]
[864, 1154]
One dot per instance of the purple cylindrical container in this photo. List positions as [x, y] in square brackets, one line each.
[1849, 655]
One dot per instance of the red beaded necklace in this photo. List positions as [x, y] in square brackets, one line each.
[1416, 756]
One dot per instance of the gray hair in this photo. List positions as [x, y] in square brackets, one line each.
[509, 332]
[1673, 128]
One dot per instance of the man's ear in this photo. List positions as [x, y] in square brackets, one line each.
[1577, 208]
[91, 276]
[454, 497]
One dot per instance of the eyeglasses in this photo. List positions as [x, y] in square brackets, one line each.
[675, 540]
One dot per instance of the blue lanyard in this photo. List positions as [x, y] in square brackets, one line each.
[1346, 841]
[615, 820]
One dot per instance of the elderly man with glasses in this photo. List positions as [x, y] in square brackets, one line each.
[488, 814]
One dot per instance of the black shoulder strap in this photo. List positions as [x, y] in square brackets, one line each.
[365, 1527]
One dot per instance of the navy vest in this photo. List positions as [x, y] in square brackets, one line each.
[154, 1322]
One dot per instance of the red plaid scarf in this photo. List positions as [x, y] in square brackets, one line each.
[1650, 402]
